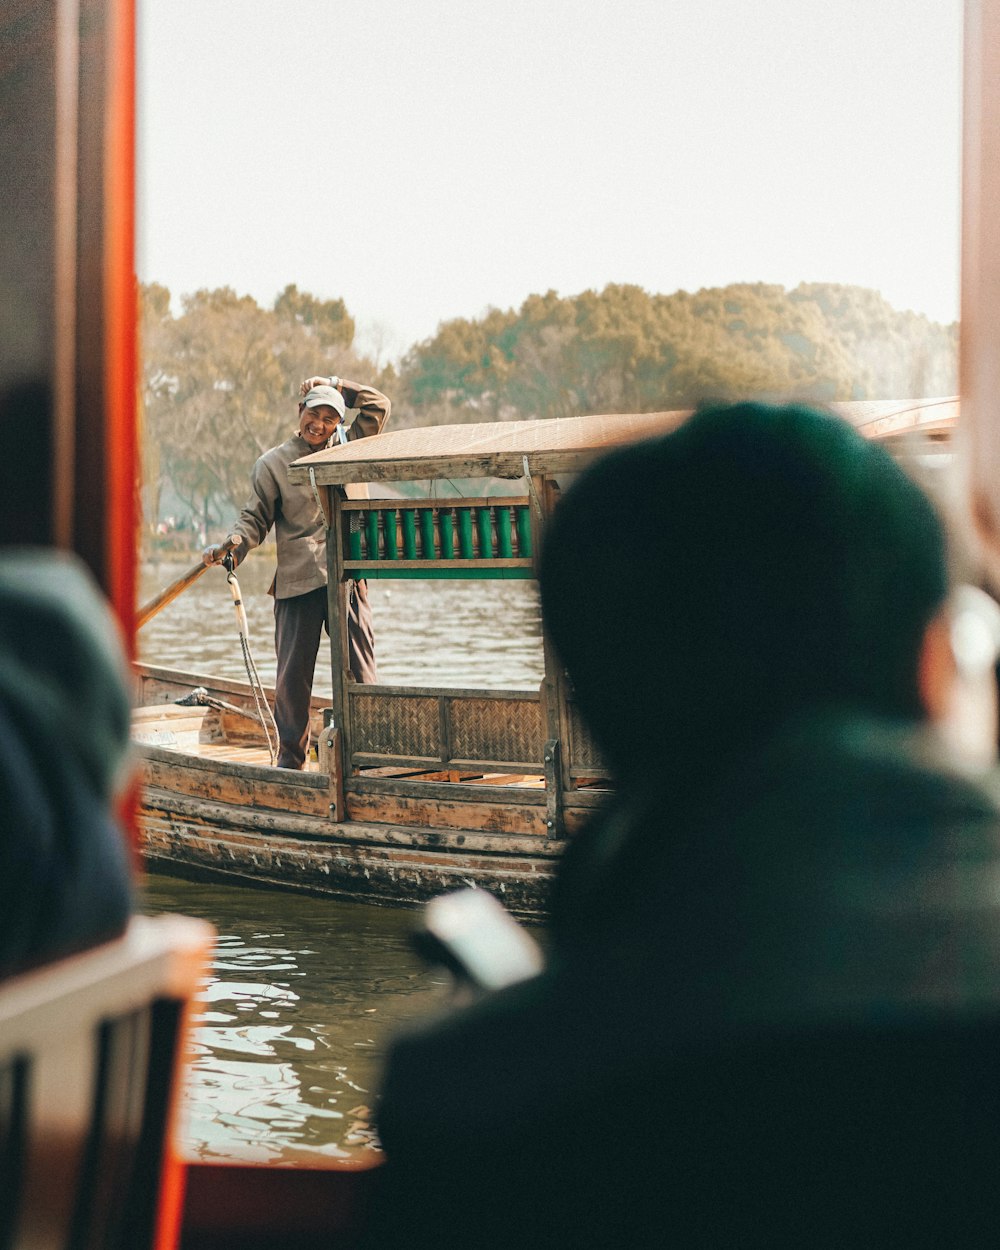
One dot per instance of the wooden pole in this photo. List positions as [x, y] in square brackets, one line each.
[170, 593]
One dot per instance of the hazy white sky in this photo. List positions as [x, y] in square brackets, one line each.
[428, 159]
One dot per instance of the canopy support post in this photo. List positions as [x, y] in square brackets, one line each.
[335, 741]
[553, 788]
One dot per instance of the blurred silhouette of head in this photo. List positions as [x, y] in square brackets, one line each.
[758, 563]
[63, 672]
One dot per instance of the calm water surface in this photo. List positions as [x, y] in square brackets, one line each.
[293, 1022]
[427, 633]
[305, 993]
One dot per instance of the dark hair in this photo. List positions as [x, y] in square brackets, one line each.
[759, 562]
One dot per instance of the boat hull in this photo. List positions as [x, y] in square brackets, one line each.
[390, 865]
[210, 806]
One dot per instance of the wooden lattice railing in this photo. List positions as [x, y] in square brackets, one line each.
[498, 730]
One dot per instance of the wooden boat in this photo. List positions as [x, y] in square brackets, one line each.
[415, 789]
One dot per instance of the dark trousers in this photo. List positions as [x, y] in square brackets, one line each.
[298, 628]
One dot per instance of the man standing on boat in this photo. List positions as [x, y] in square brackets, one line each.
[300, 582]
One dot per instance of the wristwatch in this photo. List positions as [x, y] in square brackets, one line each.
[334, 382]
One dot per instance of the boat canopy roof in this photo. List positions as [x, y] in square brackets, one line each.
[509, 449]
[900, 419]
[490, 449]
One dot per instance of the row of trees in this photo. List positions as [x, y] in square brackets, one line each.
[625, 350]
[220, 378]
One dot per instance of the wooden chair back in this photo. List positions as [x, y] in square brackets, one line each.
[90, 1055]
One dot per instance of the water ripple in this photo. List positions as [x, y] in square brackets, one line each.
[427, 633]
[278, 1073]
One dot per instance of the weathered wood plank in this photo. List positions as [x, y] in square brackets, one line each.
[394, 771]
[242, 732]
[496, 817]
[222, 781]
[180, 728]
[265, 823]
[160, 685]
[553, 787]
[575, 819]
[452, 791]
[586, 799]
[519, 780]
[181, 736]
[170, 712]
[342, 869]
[478, 501]
[525, 695]
[372, 759]
[331, 761]
[190, 726]
[496, 766]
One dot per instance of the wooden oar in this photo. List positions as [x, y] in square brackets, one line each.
[150, 609]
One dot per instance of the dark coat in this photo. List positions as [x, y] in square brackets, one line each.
[771, 1021]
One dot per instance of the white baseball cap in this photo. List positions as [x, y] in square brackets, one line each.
[328, 395]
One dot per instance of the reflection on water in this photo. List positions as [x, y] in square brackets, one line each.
[305, 992]
[427, 633]
[294, 1021]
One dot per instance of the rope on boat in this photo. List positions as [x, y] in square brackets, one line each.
[316, 496]
[199, 697]
[531, 487]
[264, 713]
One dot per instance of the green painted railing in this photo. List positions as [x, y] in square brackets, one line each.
[467, 538]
